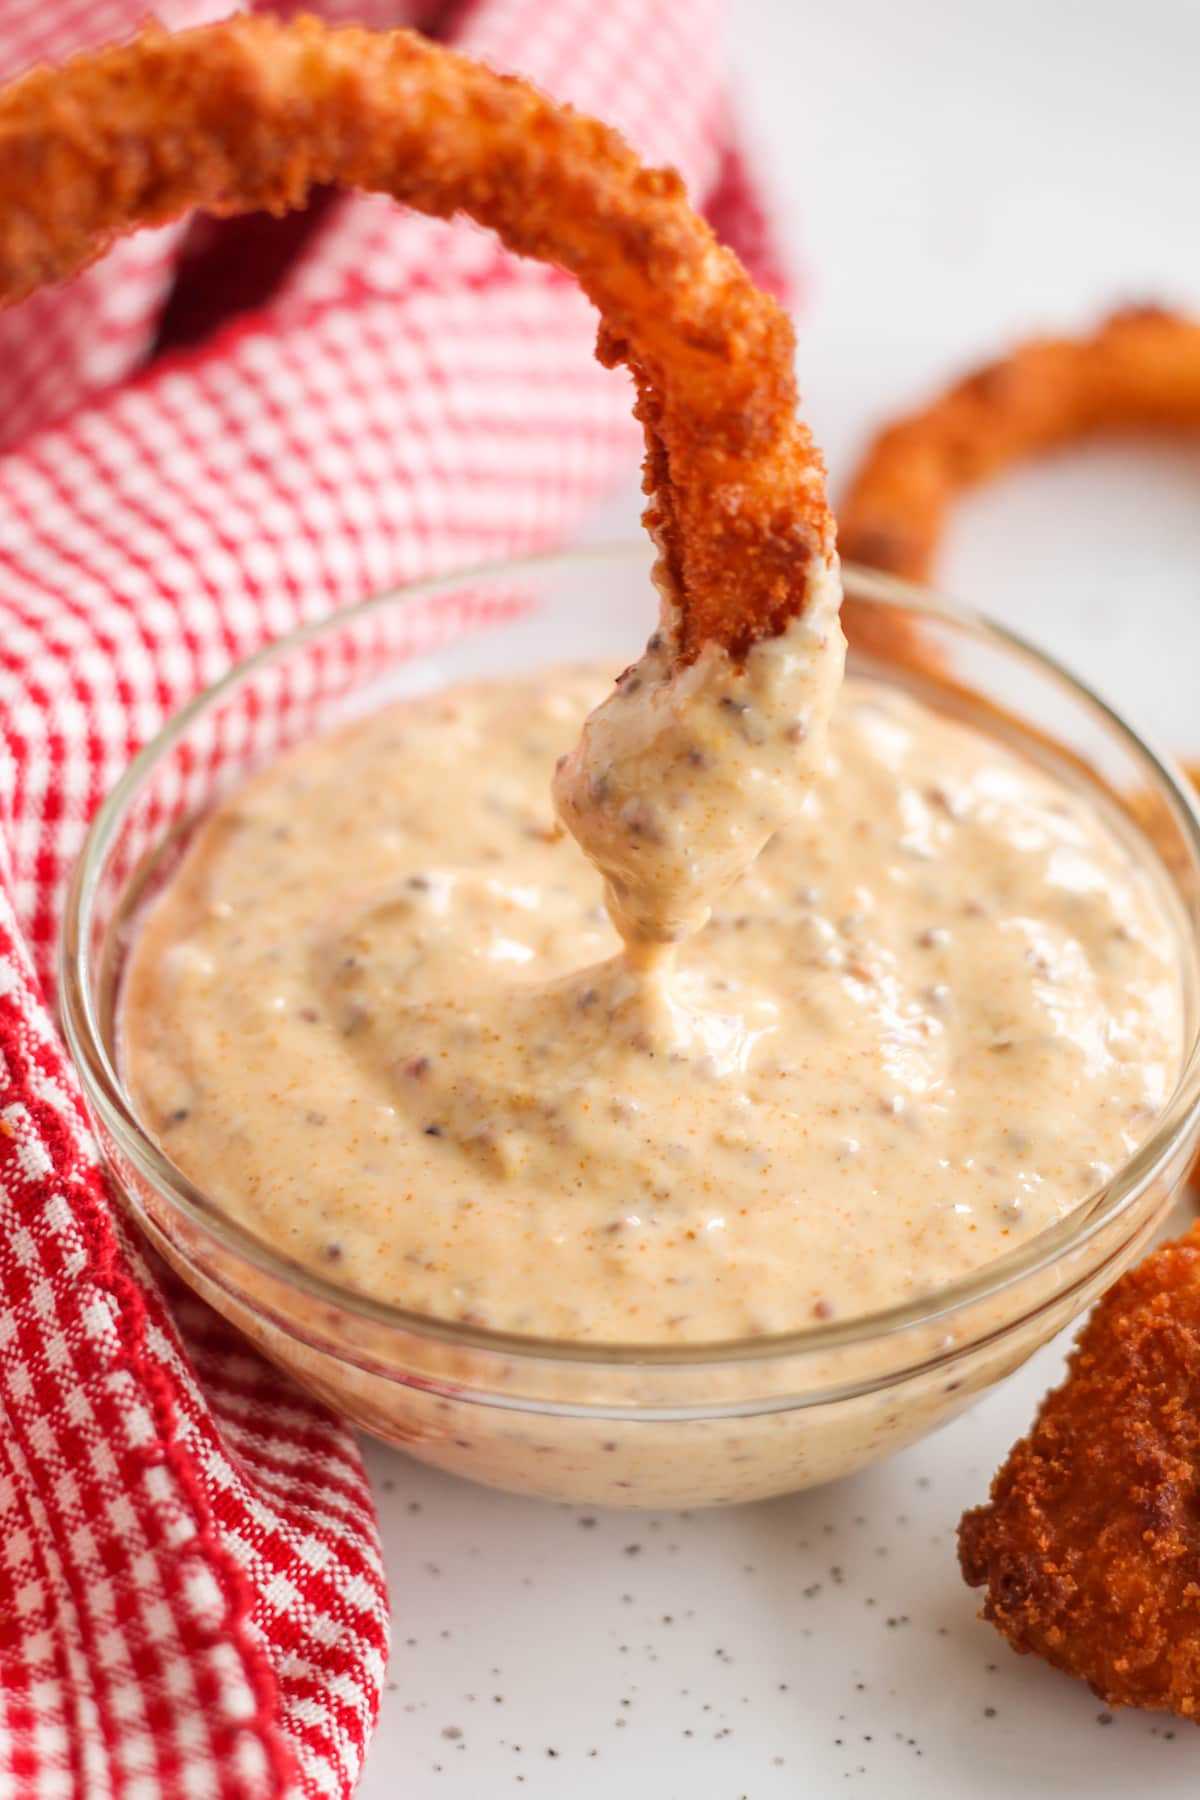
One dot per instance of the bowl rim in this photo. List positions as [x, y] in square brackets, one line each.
[106, 1098]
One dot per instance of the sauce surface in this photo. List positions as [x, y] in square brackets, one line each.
[379, 1014]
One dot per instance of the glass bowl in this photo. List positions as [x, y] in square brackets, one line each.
[629, 1425]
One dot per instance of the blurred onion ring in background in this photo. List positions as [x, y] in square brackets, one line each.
[1139, 371]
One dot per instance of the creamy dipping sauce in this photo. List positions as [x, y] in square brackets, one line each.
[379, 1015]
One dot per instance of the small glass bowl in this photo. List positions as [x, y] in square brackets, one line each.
[628, 1425]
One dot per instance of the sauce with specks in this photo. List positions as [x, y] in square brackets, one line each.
[380, 1012]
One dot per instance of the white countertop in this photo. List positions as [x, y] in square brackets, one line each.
[950, 176]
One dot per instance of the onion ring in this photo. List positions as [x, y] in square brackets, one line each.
[1140, 370]
[1087, 1546]
[251, 113]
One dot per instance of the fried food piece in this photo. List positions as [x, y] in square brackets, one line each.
[1139, 371]
[1089, 1547]
[251, 113]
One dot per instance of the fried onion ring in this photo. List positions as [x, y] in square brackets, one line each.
[1140, 370]
[251, 113]
[1087, 1548]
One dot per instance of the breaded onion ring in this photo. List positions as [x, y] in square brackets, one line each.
[250, 114]
[1139, 371]
[1088, 1547]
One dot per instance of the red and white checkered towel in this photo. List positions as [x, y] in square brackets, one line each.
[192, 1601]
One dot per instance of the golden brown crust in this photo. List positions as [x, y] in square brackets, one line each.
[1139, 371]
[251, 113]
[1089, 1547]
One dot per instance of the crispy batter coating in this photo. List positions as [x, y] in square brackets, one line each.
[1139, 371]
[1090, 1545]
[251, 113]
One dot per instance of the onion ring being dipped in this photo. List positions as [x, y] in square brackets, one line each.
[1139, 371]
[251, 113]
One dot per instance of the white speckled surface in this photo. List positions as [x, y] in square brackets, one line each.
[950, 175]
[812, 1646]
